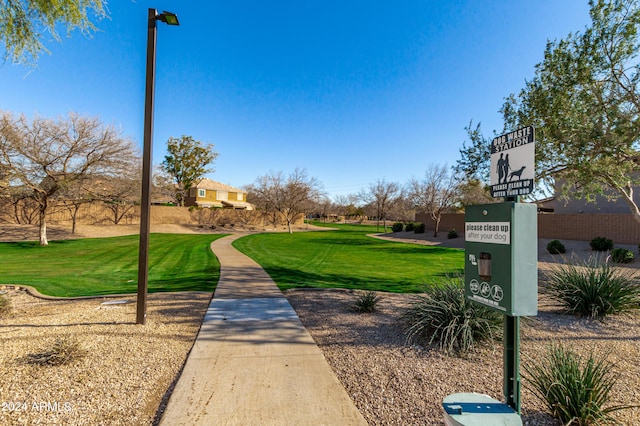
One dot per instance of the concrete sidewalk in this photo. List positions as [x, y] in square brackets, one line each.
[253, 362]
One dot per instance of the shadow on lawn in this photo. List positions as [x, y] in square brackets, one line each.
[292, 278]
[177, 284]
[342, 242]
[407, 248]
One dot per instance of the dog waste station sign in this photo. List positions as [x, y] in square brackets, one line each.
[513, 163]
[501, 259]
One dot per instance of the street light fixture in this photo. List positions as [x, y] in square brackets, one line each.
[168, 18]
[145, 204]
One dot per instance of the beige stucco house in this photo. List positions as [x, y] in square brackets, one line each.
[209, 193]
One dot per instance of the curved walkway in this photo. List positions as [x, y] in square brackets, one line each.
[253, 362]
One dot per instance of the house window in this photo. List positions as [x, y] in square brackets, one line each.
[223, 196]
[202, 193]
[239, 196]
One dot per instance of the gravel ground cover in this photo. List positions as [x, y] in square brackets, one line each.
[392, 383]
[126, 371]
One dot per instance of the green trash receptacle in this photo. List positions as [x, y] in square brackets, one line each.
[475, 409]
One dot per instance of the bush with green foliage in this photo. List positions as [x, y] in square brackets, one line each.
[418, 228]
[556, 247]
[366, 301]
[576, 391]
[452, 234]
[593, 288]
[397, 227]
[443, 315]
[622, 255]
[409, 227]
[601, 244]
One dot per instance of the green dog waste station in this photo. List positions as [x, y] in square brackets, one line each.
[501, 273]
[501, 257]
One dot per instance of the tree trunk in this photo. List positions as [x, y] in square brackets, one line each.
[437, 227]
[43, 226]
[74, 218]
[627, 196]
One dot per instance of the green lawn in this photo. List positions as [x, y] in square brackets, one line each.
[347, 258]
[96, 266]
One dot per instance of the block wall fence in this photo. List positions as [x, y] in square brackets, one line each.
[620, 228]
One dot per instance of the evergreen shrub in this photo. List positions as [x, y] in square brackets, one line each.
[397, 227]
[556, 247]
[601, 244]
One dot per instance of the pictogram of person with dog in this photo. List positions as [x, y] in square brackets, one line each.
[505, 172]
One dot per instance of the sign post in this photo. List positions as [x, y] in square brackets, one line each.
[501, 250]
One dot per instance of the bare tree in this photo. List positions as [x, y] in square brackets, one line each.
[119, 195]
[23, 205]
[321, 208]
[163, 187]
[260, 201]
[348, 205]
[402, 209]
[472, 192]
[435, 193]
[72, 198]
[46, 156]
[380, 195]
[291, 197]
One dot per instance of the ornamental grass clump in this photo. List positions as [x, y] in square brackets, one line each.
[593, 288]
[63, 351]
[443, 315]
[575, 390]
[366, 301]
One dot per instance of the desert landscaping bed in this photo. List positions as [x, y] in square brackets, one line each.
[392, 383]
[126, 373]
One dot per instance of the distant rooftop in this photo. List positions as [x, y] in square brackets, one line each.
[213, 185]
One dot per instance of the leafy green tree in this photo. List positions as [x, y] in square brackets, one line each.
[584, 102]
[473, 164]
[187, 162]
[23, 23]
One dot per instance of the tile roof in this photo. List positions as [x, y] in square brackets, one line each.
[212, 185]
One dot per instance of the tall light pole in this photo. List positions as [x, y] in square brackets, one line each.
[145, 204]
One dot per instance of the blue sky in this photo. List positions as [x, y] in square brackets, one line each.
[351, 91]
